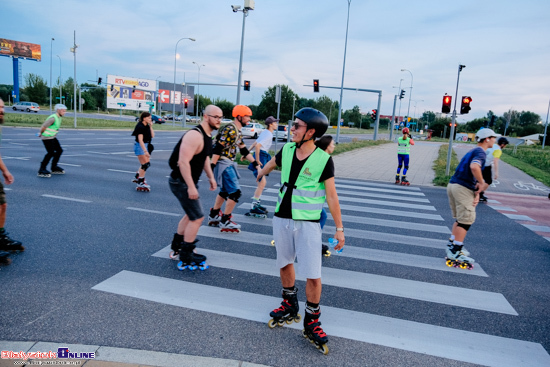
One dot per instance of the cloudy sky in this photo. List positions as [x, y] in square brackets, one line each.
[504, 45]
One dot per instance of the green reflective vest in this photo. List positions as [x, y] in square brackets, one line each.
[53, 129]
[308, 196]
[403, 146]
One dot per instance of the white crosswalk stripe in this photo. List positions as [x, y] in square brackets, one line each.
[413, 223]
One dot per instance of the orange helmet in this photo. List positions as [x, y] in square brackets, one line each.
[241, 110]
[405, 130]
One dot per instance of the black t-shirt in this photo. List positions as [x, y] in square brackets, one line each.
[144, 130]
[285, 209]
[197, 162]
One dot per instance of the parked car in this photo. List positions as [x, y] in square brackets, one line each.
[26, 106]
[195, 119]
[281, 132]
[168, 117]
[252, 130]
[226, 121]
[156, 119]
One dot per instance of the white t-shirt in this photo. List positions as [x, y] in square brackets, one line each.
[492, 153]
[265, 139]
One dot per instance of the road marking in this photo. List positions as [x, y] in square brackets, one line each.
[68, 164]
[66, 198]
[391, 186]
[16, 158]
[155, 212]
[537, 228]
[114, 153]
[407, 335]
[503, 208]
[519, 217]
[380, 284]
[118, 170]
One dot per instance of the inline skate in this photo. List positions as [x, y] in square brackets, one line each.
[325, 251]
[7, 244]
[189, 259]
[457, 257]
[44, 173]
[214, 218]
[175, 246]
[313, 331]
[287, 312]
[227, 225]
[257, 211]
[482, 198]
[142, 185]
[404, 181]
[58, 170]
[397, 181]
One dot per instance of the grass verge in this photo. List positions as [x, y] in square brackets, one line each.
[440, 164]
[537, 173]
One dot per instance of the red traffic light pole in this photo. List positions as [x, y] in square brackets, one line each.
[449, 151]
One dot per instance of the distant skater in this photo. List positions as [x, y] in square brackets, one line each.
[48, 134]
[403, 150]
[143, 148]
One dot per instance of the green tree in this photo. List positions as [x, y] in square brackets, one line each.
[227, 107]
[328, 107]
[36, 88]
[5, 92]
[90, 102]
[353, 115]
[268, 106]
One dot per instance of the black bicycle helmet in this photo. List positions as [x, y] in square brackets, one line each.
[502, 140]
[314, 119]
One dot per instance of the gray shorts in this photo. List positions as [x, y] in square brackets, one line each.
[302, 240]
[192, 208]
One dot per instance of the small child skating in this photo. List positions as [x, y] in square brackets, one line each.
[403, 149]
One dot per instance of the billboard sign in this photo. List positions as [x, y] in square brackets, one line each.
[130, 93]
[22, 50]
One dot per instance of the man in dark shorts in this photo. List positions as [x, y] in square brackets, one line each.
[190, 157]
[6, 243]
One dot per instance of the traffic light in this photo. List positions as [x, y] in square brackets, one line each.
[186, 102]
[465, 106]
[492, 122]
[402, 95]
[446, 108]
[247, 85]
[373, 115]
[133, 89]
[316, 85]
[99, 81]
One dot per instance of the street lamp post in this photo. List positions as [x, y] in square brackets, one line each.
[414, 116]
[198, 88]
[342, 85]
[51, 58]
[546, 126]
[410, 94]
[60, 81]
[236, 8]
[73, 50]
[158, 99]
[175, 59]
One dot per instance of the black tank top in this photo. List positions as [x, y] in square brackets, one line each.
[197, 162]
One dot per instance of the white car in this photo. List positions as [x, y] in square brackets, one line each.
[26, 106]
[281, 133]
[252, 130]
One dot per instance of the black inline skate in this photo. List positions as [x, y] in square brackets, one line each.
[58, 170]
[325, 251]
[175, 246]
[257, 211]
[7, 244]
[4, 259]
[214, 218]
[397, 181]
[287, 312]
[190, 259]
[404, 181]
[482, 198]
[314, 332]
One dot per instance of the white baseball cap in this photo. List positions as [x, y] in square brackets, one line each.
[60, 106]
[484, 134]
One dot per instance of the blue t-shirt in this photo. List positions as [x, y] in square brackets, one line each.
[463, 174]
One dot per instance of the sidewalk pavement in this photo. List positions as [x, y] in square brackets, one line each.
[379, 163]
[374, 163]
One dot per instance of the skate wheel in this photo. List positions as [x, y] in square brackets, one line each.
[327, 254]
[297, 318]
[449, 263]
[203, 266]
[272, 324]
[323, 348]
[272, 242]
[463, 266]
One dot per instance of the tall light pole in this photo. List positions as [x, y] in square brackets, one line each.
[546, 126]
[414, 116]
[51, 58]
[159, 102]
[236, 8]
[175, 59]
[451, 137]
[60, 81]
[342, 85]
[198, 88]
[410, 94]
[73, 50]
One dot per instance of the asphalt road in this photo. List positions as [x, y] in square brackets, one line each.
[96, 270]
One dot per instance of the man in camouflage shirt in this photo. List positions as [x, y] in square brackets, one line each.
[228, 140]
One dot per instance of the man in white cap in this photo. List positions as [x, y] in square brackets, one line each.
[48, 133]
[463, 192]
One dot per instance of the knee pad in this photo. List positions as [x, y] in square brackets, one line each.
[235, 196]
[223, 195]
[406, 167]
[465, 226]
[145, 166]
[400, 165]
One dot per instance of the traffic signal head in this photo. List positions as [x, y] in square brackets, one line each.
[316, 85]
[446, 107]
[402, 95]
[133, 89]
[99, 81]
[185, 102]
[247, 85]
[465, 106]
[374, 113]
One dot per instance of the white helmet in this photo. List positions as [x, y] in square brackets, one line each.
[484, 134]
[60, 106]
